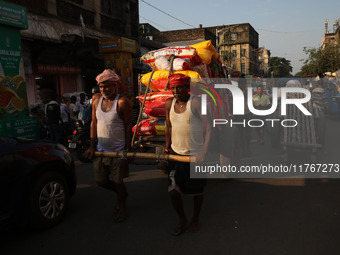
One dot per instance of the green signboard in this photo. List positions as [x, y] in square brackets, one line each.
[13, 96]
[22, 127]
[13, 15]
[10, 51]
[14, 120]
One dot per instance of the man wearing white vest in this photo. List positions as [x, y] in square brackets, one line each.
[111, 131]
[184, 136]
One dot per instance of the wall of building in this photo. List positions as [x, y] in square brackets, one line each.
[61, 43]
[264, 62]
[240, 43]
[331, 38]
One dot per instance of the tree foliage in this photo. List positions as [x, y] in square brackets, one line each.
[227, 57]
[321, 60]
[280, 66]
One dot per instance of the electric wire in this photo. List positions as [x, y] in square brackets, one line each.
[166, 28]
[168, 14]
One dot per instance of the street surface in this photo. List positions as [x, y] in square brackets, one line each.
[239, 216]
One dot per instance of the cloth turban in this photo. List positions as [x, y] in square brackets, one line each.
[179, 79]
[107, 75]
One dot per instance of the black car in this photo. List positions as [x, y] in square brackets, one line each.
[37, 180]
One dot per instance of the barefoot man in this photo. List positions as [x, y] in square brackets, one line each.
[184, 136]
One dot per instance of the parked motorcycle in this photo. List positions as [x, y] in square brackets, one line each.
[80, 140]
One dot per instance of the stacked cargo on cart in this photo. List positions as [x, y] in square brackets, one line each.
[199, 61]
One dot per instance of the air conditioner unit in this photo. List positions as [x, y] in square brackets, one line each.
[149, 37]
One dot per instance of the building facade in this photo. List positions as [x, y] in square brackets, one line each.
[238, 47]
[60, 46]
[182, 37]
[264, 62]
[331, 38]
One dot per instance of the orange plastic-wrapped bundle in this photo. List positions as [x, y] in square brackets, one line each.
[150, 127]
[185, 52]
[156, 96]
[160, 78]
[155, 103]
[155, 109]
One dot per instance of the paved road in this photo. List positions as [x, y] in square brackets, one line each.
[239, 216]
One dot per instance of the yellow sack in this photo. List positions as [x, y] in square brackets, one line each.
[206, 51]
[160, 78]
[205, 55]
[206, 45]
[216, 55]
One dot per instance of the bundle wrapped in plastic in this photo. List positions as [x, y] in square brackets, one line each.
[160, 78]
[155, 103]
[179, 64]
[155, 96]
[185, 52]
[150, 127]
[162, 63]
[206, 51]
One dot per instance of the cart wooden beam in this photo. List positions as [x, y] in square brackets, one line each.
[156, 156]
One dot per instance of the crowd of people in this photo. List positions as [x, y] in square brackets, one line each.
[59, 115]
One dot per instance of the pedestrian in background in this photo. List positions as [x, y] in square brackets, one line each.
[73, 109]
[261, 102]
[65, 116]
[54, 120]
[82, 102]
[65, 112]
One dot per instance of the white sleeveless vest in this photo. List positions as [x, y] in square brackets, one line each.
[186, 130]
[110, 128]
